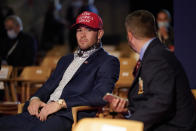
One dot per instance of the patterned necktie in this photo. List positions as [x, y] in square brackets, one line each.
[136, 67]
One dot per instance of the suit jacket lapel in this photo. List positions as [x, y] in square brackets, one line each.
[143, 59]
[69, 61]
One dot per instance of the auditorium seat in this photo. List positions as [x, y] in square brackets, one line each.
[125, 80]
[101, 124]
[6, 75]
[109, 48]
[76, 109]
[59, 50]
[115, 53]
[8, 108]
[32, 76]
[50, 61]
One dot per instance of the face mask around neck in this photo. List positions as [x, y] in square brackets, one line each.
[11, 34]
[163, 24]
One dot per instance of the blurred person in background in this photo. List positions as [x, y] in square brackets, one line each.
[165, 30]
[5, 11]
[17, 48]
[53, 28]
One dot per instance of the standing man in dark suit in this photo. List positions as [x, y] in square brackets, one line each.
[160, 96]
[17, 48]
[80, 79]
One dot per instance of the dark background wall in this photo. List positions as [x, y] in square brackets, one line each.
[185, 34]
[153, 6]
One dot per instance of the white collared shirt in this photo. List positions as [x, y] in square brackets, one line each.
[145, 47]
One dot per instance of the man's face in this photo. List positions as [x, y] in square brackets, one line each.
[162, 20]
[9, 25]
[162, 17]
[86, 37]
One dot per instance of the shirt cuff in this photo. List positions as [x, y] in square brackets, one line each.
[34, 97]
[128, 115]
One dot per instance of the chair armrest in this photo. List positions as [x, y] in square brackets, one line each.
[20, 107]
[80, 108]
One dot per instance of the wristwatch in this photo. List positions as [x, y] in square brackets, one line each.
[61, 102]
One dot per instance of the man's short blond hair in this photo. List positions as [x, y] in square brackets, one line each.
[141, 24]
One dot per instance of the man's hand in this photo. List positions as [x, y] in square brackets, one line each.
[34, 106]
[119, 105]
[48, 109]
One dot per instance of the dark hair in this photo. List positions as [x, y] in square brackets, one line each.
[141, 24]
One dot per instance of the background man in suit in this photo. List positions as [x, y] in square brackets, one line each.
[160, 95]
[16, 47]
[79, 79]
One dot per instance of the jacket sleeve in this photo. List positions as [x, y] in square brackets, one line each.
[160, 91]
[105, 81]
[44, 92]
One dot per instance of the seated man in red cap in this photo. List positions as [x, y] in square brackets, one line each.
[80, 79]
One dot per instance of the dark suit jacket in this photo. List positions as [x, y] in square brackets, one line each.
[25, 52]
[89, 84]
[167, 103]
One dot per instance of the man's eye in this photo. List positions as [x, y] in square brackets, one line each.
[89, 29]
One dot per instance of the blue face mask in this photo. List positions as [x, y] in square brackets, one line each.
[163, 24]
[11, 34]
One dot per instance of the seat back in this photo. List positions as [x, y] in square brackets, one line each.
[115, 53]
[5, 72]
[35, 73]
[8, 108]
[50, 61]
[59, 50]
[125, 78]
[126, 63]
[98, 124]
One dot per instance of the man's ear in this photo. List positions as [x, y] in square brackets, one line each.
[100, 34]
[129, 35]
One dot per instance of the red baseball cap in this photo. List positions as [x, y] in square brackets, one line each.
[89, 19]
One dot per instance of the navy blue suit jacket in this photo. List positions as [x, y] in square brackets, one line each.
[90, 83]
